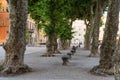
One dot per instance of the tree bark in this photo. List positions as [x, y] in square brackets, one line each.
[116, 61]
[109, 40]
[52, 46]
[64, 44]
[96, 25]
[88, 34]
[89, 30]
[16, 44]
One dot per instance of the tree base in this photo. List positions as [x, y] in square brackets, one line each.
[15, 70]
[58, 52]
[93, 55]
[102, 71]
[48, 55]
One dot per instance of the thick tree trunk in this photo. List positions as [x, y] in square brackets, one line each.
[52, 46]
[109, 40]
[89, 30]
[16, 44]
[87, 39]
[63, 44]
[56, 46]
[88, 35]
[116, 61]
[95, 38]
[69, 42]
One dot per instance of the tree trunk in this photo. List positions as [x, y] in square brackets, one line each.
[56, 46]
[16, 44]
[89, 30]
[52, 46]
[63, 44]
[69, 42]
[96, 25]
[88, 35]
[109, 40]
[116, 61]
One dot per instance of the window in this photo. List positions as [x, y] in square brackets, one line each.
[7, 32]
[7, 9]
[2, 9]
[3, 23]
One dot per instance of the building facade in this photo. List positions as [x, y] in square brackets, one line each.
[79, 32]
[4, 21]
[33, 37]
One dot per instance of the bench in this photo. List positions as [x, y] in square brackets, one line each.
[65, 59]
[70, 55]
[73, 51]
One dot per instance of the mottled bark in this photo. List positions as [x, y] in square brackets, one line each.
[109, 40]
[96, 26]
[88, 34]
[56, 46]
[16, 44]
[64, 44]
[89, 30]
[116, 61]
[52, 46]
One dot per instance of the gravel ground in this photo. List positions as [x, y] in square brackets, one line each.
[51, 68]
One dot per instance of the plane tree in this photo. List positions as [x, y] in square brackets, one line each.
[49, 13]
[109, 40]
[15, 45]
[100, 6]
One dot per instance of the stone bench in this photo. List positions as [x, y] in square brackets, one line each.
[70, 55]
[73, 52]
[65, 59]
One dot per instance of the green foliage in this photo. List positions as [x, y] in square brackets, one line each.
[64, 30]
[50, 14]
[38, 10]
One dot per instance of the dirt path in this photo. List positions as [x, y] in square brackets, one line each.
[50, 68]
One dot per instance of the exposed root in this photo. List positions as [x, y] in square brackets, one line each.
[58, 52]
[102, 71]
[93, 55]
[15, 70]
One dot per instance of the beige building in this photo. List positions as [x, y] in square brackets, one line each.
[79, 31]
[31, 32]
[35, 37]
